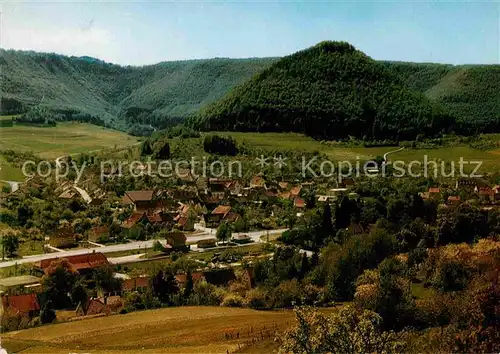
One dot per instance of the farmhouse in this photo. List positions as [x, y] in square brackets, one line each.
[176, 239]
[141, 200]
[485, 193]
[221, 277]
[83, 263]
[283, 185]
[136, 284]
[217, 215]
[182, 278]
[295, 191]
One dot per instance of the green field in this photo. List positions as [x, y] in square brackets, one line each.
[301, 142]
[8, 172]
[170, 330]
[66, 138]
[72, 138]
[490, 159]
[52, 142]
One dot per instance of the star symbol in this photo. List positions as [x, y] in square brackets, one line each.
[279, 162]
[262, 161]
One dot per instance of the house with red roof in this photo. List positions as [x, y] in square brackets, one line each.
[141, 200]
[92, 307]
[134, 219]
[485, 193]
[454, 200]
[217, 215]
[83, 263]
[26, 304]
[140, 284]
[299, 203]
[434, 191]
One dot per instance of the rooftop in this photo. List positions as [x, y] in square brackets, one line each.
[18, 281]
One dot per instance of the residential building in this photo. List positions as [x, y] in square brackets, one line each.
[83, 263]
[26, 304]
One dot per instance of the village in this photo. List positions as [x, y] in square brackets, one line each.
[197, 216]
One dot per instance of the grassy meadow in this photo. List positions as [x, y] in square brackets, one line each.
[72, 138]
[51, 142]
[66, 138]
[168, 330]
[8, 172]
[300, 142]
[490, 159]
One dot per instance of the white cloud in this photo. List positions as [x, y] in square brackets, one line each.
[25, 30]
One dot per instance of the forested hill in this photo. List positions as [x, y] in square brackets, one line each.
[329, 91]
[136, 98]
[471, 93]
[118, 96]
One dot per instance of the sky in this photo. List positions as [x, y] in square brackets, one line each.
[140, 33]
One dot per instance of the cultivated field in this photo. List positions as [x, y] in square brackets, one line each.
[66, 138]
[169, 330]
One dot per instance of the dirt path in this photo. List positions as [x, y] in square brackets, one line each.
[391, 152]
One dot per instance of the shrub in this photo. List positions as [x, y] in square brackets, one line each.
[232, 300]
[256, 299]
[287, 294]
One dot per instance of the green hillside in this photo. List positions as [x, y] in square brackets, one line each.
[471, 93]
[329, 91]
[120, 96]
[139, 99]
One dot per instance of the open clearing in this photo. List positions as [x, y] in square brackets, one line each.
[490, 159]
[169, 330]
[66, 138]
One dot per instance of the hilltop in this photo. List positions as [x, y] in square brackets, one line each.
[329, 91]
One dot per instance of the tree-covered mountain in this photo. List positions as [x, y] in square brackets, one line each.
[120, 96]
[329, 91]
[366, 100]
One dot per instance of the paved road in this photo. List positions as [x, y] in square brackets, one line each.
[137, 245]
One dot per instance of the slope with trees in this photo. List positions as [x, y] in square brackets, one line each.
[329, 91]
[121, 97]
